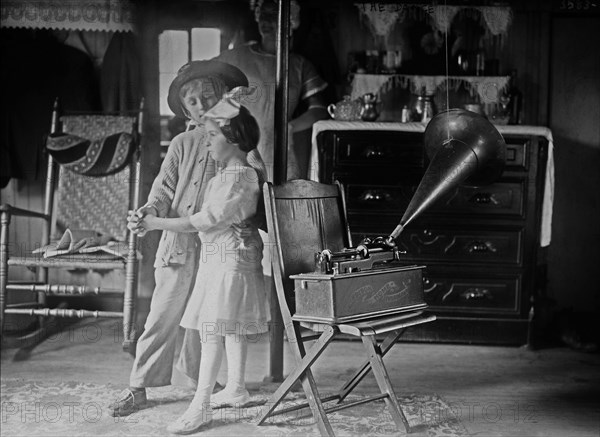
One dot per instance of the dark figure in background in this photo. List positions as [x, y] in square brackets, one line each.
[258, 61]
[36, 69]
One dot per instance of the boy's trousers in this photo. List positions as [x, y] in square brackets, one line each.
[156, 347]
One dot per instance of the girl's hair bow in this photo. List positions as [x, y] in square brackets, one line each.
[229, 105]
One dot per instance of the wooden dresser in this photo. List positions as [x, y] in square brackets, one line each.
[480, 244]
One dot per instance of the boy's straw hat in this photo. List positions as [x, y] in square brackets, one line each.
[232, 76]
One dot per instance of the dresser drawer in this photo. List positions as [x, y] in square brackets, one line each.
[378, 198]
[466, 292]
[456, 245]
[502, 198]
[388, 149]
[406, 149]
[472, 246]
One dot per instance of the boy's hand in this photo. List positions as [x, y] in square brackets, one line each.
[144, 210]
[241, 230]
[258, 220]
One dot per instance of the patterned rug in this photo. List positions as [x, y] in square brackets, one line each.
[79, 409]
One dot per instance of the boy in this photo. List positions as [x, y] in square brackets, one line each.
[177, 191]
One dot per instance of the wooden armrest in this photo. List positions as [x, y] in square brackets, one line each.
[23, 212]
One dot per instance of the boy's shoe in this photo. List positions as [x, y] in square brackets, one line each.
[128, 402]
[230, 397]
[192, 420]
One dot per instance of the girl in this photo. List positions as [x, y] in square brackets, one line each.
[228, 300]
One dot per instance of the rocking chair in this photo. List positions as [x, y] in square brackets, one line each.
[77, 201]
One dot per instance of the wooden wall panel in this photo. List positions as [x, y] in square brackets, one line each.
[575, 122]
[526, 49]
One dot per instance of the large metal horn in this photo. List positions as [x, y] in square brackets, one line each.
[462, 146]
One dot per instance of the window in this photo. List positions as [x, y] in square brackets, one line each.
[173, 52]
[176, 48]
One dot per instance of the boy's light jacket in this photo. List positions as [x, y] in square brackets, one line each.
[178, 191]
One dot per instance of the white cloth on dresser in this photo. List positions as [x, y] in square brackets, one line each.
[548, 199]
[542, 131]
[229, 293]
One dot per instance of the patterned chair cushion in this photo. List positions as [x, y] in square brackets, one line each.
[100, 157]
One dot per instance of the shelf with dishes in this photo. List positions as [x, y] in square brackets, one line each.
[496, 97]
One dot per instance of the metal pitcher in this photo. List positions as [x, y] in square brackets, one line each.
[368, 111]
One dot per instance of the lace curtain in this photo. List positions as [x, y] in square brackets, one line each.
[380, 18]
[96, 15]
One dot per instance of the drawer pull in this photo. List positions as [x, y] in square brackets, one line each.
[374, 153]
[481, 247]
[428, 240]
[476, 294]
[483, 199]
[429, 285]
[375, 196]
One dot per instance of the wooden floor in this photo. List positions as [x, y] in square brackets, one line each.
[496, 391]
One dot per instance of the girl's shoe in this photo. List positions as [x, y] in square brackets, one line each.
[230, 397]
[191, 421]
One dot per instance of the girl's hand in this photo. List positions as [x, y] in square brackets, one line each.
[134, 223]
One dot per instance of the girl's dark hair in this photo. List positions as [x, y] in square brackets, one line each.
[243, 130]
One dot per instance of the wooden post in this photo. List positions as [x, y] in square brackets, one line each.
[132, 263]
[52, 173]
[4, 222]
[280, 170]
[281, 94]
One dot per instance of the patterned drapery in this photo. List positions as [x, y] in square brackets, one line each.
[486, 88]
[381, 17]
[95, 15]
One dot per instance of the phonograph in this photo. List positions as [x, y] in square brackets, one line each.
[371, 280]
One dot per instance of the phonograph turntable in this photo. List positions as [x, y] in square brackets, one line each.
[371, 280]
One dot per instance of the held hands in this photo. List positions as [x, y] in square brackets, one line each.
[134, 223]
[139, 221]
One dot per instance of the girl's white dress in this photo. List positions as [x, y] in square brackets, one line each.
[229, 293]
